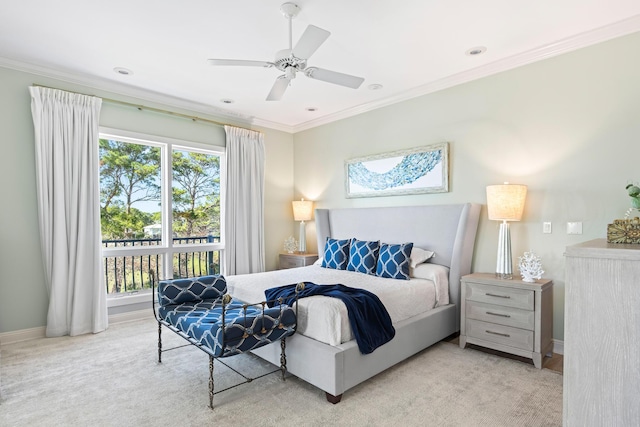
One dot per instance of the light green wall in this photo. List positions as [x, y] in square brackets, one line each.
[23, 296]
[568, 127]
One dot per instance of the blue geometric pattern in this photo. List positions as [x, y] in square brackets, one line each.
[192, 289]
[363, 256]
[393, 261]
[336, 254]
[245, 327]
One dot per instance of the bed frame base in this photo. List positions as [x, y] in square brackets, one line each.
[333, 399]
[335, 369]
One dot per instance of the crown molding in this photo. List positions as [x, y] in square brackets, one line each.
[598, 35]
[124, 90]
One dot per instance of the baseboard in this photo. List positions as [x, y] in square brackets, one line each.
[558, 346]
[39, 332]
[22, 335]
[130, 316]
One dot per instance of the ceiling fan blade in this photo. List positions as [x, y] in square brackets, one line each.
[242, 62]
[278, 89]
[334, 77]
[310, 41]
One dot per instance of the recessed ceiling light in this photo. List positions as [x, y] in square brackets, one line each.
[375, 86]
[226, 101]
[478, 50]
[123, 71]
[311, 109]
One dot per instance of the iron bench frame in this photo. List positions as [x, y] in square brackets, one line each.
[225, 300]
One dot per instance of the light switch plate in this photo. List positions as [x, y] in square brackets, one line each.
[574, 227]
[546, 227]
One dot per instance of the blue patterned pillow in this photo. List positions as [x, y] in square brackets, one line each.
[363, 256]
[336, 254]
[393, 261]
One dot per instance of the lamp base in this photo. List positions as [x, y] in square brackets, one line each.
[504, 267]
[303, 238]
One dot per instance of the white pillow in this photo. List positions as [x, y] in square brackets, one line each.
[418, 256]
[435, 272]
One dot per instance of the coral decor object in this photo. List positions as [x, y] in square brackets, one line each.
[290, 245]
[530, 267]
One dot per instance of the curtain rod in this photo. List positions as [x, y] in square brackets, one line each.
[141, 107]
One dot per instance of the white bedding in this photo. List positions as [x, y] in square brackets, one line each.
[328, 321]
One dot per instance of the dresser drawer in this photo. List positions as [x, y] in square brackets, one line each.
[506, 335]
[501, 315]
[500, 295]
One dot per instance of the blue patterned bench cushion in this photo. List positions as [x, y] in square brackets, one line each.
[193, 289]
[245, 328]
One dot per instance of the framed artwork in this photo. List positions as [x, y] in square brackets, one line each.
[412, 171]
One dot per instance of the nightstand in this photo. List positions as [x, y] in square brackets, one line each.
[507, 315]
[296, 259]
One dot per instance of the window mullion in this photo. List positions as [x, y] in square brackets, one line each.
[167, 209]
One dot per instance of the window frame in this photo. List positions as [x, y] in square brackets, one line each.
[166, 249]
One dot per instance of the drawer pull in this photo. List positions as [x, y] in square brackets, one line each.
[498, 314]
[498, 333]
[497, 296]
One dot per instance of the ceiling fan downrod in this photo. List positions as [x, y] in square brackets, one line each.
[290, 11]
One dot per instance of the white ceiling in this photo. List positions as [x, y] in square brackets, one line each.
[411, 47]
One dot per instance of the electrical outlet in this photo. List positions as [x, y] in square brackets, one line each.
[546, 227]
[574, 227]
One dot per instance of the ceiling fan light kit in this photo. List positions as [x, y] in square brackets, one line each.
[294, 59]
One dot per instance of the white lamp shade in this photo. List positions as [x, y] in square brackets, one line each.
[302, 210]
[505, 202]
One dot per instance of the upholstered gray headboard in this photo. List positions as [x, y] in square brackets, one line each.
[448, 230]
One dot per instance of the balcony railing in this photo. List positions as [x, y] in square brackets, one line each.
[132, 273]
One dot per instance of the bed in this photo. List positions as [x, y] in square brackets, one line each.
[322, 352]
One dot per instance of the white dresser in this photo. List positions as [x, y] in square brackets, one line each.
[602, 335]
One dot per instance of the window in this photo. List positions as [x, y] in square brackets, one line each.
[160, 210]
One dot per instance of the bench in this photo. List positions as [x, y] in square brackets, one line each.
[200, 310]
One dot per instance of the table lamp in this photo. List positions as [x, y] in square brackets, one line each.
[505, 203]
[302, 211]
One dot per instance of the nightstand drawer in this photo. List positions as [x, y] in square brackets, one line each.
[508, 316]
[290, 262]
[296, 260]
[500, 295]
[506, 335]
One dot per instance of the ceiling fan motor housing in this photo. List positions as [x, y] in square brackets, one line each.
[285, 59]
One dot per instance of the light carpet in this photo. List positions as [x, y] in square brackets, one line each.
[113, 379]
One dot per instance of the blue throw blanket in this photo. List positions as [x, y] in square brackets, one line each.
[369, 319]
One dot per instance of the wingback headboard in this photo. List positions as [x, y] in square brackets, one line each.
[448, 230]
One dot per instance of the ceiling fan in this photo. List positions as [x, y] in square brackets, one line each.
[294, 59]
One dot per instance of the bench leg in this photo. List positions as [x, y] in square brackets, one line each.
[283, 357]
[159, 343]
[210, 381]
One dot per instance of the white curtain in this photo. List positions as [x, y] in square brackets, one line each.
[67, 172]
[244, 203]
